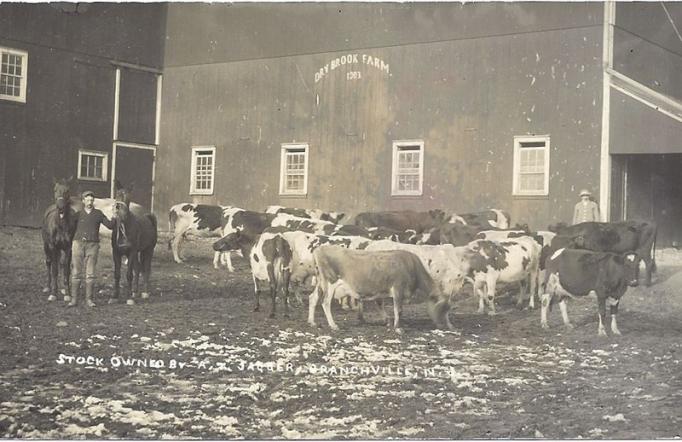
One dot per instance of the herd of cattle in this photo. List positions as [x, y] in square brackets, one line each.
[421, 256]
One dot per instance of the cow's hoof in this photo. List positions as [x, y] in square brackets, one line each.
[130, 302]
[144, 295]
[62, 291]
[46, 289]
[52, 298]
[399, 331]
[67, 298]
[616, 332]
[544, 325]
[113, 301]
[634, 283]
[492, 313]
[571, 326]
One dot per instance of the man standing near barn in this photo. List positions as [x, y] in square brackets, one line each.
[586, 209]
[85, 248]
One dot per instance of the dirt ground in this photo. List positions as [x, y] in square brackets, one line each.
[195, 361]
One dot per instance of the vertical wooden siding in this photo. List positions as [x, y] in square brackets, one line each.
[466, 99]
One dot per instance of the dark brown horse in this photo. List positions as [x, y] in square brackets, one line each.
[59, 227]
[135, 238]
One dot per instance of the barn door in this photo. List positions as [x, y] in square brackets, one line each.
[134, 165]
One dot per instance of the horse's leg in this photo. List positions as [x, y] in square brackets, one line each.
[64, 263]
[136, 273]
[117, 275]
[48, 267]
[129, 278]
[147, 269]
[67, 270]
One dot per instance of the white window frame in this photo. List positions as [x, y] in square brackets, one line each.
[192, 189]
[24, 74]
[397, 147]
[286, 149]
[518, 142]
[93, 153]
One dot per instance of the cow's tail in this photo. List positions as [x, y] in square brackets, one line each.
[172, 218]
[653, 251]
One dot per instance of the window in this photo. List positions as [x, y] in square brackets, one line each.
[203, 170]
[531, 166]
[92, 165]
[408, 168]
[294, 170]
[13, 74]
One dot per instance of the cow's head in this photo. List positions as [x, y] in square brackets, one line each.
[333, 217]
[631, 268]
[61, 194]
[457, 234]
[437, 215]
[557, 228]
[228, 242]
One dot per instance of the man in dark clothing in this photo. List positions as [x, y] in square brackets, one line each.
[85, 248]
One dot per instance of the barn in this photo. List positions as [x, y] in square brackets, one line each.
[347, 106]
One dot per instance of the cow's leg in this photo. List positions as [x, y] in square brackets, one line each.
[523, 287]
[273, 288]
[175, 246]
[601, 302]
[491, 283]
[228, 261]
[397, 307]
[312, 304]
[286, 276]
[533, 287]
[256, 295]
[649, 263]
[564, 313]
[614, 313]
[478, 290]
[327, 305]
[361, 312]
[545, 299]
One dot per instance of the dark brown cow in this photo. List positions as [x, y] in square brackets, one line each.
[573, 273]
[638, 237]
[402, 220]
[333, 217]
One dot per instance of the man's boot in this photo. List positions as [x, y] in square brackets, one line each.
[75, 285]
[89, 288]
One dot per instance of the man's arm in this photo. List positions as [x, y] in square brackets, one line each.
[576, 211]
[109, 223]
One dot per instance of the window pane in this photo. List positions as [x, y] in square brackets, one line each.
[294, 170]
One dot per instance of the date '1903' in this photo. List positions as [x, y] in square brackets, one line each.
[353, 75]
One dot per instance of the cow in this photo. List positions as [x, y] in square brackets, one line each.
[638, 237]
[543, 239]
[236, 220]
[370, 275]
[450, 233]
[334, 217]
[402, 220]
[279, 257]
[445, 263]
[571, 273]
[491, 262]
[487, 219]
[195, 219]
[308, 225]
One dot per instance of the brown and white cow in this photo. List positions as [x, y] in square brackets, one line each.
[334, 217]
[195, 219]
[638, 237]
[374, 275]
[509, 261]
[574, 273]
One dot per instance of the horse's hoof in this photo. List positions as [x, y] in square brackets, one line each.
[90, 303]
[71, 304]
[130, 302]
[144, 295]
[113, 301]
[46, 289]
[52, 298]
[63, 291]
[67, 298]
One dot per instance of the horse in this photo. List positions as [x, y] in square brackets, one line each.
[135, 238]
[58, 229]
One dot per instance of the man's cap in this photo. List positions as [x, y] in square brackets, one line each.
[87, 193]
[585, 192]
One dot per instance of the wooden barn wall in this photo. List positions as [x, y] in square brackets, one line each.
[466, 99]
[70, 94]
[647, 46]
[137, 106]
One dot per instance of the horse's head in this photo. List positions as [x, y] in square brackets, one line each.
[123, 193]
[61, 194]
[121, 211]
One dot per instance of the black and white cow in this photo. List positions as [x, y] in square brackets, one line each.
[574, 273]
[334, 217]
[237, 220]
[509, 261]
[194, 219]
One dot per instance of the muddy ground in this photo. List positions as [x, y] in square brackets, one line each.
[219, 370]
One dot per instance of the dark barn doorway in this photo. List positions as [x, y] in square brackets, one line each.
[649, 187]
[134, 164]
